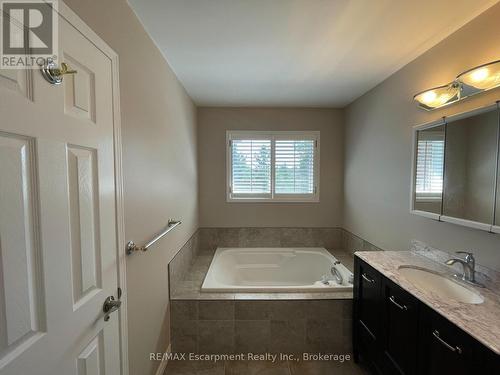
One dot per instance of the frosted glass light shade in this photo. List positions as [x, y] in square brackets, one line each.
[483, 77]
[438, 96]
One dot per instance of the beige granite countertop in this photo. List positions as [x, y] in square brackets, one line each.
[481, 321]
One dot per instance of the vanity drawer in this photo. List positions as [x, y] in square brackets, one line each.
[399, 334]
[367, 346]
[367, 296]
[366, 319]
[446, 349]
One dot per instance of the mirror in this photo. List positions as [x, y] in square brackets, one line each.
[496, 224]
[471, 145]
[456, 169]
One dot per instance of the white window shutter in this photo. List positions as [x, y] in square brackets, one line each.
[294, 166]
[251, 166]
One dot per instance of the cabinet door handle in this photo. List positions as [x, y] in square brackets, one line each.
[365, 276]
[393, 300]
[448, 346]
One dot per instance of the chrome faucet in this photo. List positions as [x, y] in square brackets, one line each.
[336, 273]
[468, 264]
[337, 276]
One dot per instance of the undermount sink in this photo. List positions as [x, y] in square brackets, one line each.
[439, 284]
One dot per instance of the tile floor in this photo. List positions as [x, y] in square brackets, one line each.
[264, 368]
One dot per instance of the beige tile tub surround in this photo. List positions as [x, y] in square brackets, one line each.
[211, 238]
[480, 321]
[280, 326]
[352, 243]
[202, 245]
[188, 268]
[190, 287]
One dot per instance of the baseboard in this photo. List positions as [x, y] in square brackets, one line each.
[164, 362]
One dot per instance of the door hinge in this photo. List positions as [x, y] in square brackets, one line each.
[119, 292]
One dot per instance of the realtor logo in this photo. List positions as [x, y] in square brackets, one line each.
[29, 33]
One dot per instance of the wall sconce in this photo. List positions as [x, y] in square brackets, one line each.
[473, 81]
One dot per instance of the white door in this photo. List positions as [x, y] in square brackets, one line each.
[58, 232]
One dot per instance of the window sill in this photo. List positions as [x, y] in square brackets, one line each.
[428, 200]
[273, 200]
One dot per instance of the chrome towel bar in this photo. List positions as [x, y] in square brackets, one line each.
[132, 247]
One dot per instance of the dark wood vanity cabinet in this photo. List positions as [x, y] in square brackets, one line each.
[396, 334]
[368, 284]
[399, 336]
[444, 348]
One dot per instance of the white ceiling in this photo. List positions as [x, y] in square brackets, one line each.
[295, 52]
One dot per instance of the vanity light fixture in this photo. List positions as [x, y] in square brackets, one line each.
[483, 77]
[439, 96]
[473, 81]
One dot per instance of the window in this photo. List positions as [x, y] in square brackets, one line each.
[430, 162]
[273, 166]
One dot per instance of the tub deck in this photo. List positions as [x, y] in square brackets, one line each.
[189, 288]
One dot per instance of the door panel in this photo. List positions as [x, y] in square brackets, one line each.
[18, 80]
[90, 360]
[83, 208]
[79, 90]
[21, 303]
[58, 231]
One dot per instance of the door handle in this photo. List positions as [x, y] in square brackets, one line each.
[53, 74]
[110, 306]
[455, 349]
[368, 279]
[401, 307]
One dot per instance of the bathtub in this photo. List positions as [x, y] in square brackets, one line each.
[274, 270]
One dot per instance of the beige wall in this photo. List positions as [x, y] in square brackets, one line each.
[378, 146]
[159, 159]
[216, 212]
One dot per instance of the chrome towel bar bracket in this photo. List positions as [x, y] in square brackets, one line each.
[132, 247]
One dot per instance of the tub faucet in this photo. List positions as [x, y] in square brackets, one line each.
[468, 264]
[325, 279]
[336, 273]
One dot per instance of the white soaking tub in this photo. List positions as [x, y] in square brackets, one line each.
[262, 269]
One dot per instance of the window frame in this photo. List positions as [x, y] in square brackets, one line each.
[273, 136]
